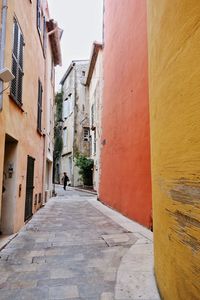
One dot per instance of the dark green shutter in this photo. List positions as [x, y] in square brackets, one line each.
[38, 15]
[15, 39]
[17, 64]
[39, 115]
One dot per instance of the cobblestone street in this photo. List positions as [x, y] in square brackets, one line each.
[71, 250]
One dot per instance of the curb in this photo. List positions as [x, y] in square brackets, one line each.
[86, 191]
[8, 241]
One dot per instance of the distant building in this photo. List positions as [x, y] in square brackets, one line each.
[76, 132]
[31, 50]
[94, 83]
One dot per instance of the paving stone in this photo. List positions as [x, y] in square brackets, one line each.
[36, 253]
[22, 284]
[66, 292]
[53, 282]
[129, 285]
[110, 274]
[118, 239]
[9, 294]
[24, 268]
[20, 276]
[61, 273]
[34, 294]
[107, 296]
[3, 278]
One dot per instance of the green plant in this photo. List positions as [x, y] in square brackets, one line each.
[86, 168]
[59, 106]
[58, 142]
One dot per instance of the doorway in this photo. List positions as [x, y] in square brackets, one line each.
[9, 191]
[29, 188]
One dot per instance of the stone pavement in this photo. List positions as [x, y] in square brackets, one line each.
[76, 248]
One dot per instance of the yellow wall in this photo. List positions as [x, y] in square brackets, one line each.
[174, 72]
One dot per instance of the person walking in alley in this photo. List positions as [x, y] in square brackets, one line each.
[65, 180]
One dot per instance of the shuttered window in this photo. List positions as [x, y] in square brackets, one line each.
[44, 36]
[86, 134]
[17, 64]
[39, 15]
[39, 115]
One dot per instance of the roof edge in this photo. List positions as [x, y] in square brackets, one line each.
[93, 58]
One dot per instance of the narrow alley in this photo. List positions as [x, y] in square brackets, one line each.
[77, 248]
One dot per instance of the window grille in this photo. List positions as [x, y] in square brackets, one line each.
[86, 134]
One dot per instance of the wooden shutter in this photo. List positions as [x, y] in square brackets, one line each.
[13, 90]
[39, 116]
[15, 39]
[17, 64]
[21, 50]
[44, 36]
[20, 68]
[38, 15]
[14, 60]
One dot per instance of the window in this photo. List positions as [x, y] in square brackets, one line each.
[92, 117]
[86, 134]
[95, 142]
[67, 108]
[65, 136]
[39, 15]
[17, 64]
[44, 36]
[39, 115]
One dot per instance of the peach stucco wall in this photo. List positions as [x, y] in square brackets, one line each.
[125, 181]
[22, 124]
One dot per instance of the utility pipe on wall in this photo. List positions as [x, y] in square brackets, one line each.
[2, 45]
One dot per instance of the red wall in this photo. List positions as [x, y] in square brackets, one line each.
[125, 181]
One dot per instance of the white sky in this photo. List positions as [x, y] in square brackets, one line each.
[81, 21]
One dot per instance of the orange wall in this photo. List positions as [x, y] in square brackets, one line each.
[125, 181]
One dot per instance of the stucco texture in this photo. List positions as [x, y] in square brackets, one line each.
[125, 182]
[174, 60]
[21, 124]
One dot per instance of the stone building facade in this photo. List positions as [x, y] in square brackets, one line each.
[94, 83]
[76, 119]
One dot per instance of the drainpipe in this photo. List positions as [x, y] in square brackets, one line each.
[2, 45]
[74, 121]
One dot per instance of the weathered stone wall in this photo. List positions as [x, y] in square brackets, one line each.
[75, 92]
[95, 99]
